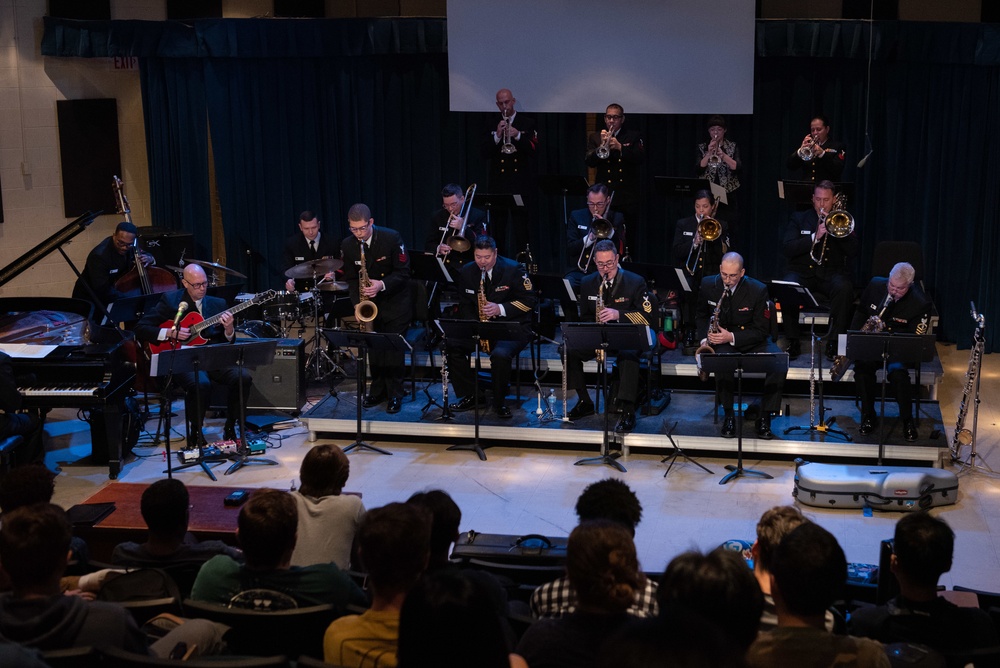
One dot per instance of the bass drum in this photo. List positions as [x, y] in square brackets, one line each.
[257, 329]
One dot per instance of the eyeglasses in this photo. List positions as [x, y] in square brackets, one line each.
[197, 286]
[355, 229]
[596, 204]
[613, 117]
[606, 265]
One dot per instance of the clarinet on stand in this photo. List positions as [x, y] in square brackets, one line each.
[964, 436]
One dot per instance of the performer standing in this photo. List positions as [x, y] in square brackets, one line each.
[819, 261]
[617, 153]
[305, 245]
[510, 145]
[694, 252]
[388, 268]
[743, 325]
[491, 287]
[907, 310]
[718, 160]
[583, 230]
[156, 327]
[106, 263]
[819, 157]
[625, 299]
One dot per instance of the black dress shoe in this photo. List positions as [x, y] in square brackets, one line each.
[909, 430]
[794, 349]
[626, 422]
[581, 410]
[689, 339]
[764, 428]
[394, 406]
[502, 411]
[466, 404]
[868, 423]
[372, 400]
[831, 350]
[729, 427]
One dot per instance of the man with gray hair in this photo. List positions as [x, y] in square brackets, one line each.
[902, 308]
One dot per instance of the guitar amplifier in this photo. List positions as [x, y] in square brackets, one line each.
[280, 385]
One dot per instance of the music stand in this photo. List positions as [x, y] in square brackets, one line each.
[503, 202]
[563, 185]
[610, 337]
[430, 268]
[364, 342]
[903, 348]
[679, 453]
[740, 363]
[130, 309]
[474, 330]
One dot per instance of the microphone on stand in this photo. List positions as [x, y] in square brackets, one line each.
[183, 306]
[864, 160]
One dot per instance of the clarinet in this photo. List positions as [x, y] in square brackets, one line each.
[565, 415]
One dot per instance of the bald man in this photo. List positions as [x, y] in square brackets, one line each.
[150, 329]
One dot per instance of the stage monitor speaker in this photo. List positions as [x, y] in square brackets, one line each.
[166, 245]
[279, 386]
[89, 153]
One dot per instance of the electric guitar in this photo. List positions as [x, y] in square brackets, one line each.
[197, 324]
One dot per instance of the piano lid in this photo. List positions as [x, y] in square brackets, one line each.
[45, 320]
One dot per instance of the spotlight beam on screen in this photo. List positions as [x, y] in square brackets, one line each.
[577, 56]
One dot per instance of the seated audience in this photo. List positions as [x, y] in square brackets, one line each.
[677, 638]
[809, 573]
[266, 529]
[922, 551]
[608, 499]
[34, 547]
[165, 508]
[328, 519]
[604, 572]
[447, 621]
[394, 547]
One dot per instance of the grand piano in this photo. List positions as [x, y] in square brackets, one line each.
[85, 368]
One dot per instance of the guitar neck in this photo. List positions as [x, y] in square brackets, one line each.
[217, 318]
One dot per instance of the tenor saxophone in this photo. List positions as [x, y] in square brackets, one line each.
[484, 344]
[365, 311]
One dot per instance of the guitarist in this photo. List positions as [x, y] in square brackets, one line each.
[157, 326]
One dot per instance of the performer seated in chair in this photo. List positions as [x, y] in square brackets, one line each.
[907, 310]
[587, 227]
[157, 326]
[733, 317]
[491, 287]
[625, 299]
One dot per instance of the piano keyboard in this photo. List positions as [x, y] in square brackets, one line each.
[60, 390]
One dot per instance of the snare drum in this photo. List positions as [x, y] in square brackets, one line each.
[286, 306]
[257, 329]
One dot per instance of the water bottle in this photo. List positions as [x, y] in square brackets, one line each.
[551, 401]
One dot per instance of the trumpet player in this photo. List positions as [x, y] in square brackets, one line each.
[693, 251]
[819, 157]
[625, 299]
[617, 153]
[388, 267]
[718, 160]
[908, 311]
[491, 287]
[805, 241]
[587, 227]
[743, 325]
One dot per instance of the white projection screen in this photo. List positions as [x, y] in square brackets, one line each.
[577, 56]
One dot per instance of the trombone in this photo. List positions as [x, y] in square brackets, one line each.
[839, 224]
[457, 241]
[601, 228]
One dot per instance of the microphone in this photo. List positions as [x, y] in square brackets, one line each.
[864, 160]
[183, 306]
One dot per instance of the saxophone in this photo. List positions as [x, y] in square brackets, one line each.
[365, 311]
[873, 325]
[484, 344]
[713, 328]
[964, 436]
[601, 354]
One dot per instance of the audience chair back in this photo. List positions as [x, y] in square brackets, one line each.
[119, 658]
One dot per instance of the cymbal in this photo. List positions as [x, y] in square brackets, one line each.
[315, 268]
[334, 286]
[216, 265]
[176, 270]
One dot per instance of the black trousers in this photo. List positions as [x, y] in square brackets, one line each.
[628, 374]
[388, 367]
[501, 357]
[774, 381]
[838, 287]
[198, 394]
[898, 382]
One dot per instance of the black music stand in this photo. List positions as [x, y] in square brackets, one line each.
[430, 268]
[609, 337]
[741, 363]
[130, 309]
[563, 185]
[474, 330]
[905, 348]
[504, 203]
[679, 453]
[364, 342]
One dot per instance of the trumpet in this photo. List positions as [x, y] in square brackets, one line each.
[525, 259]
[714, 150]
[455, 239]
[601, 228]
[810, 150]
[604, 150]
[839, 224]
[365, 311]
[508, 146]
[709, 229]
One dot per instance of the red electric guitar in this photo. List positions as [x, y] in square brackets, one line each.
[197, 324]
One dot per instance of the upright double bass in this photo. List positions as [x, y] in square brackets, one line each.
[139, 280]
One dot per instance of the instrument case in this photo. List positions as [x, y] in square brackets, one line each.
[532, 549]
[890, 488]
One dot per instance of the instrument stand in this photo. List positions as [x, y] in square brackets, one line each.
[677, 452]
[609, 337]
[978, 345]
[727, 363]
[825, 426]
[445, 409]
[880, 346]
[261, 353]
[364, 342]
[492, 330]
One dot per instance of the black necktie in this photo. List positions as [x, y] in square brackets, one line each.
[728, 296]
[312, 246]
[487, 283]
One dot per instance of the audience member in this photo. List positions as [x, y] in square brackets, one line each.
[809, 573]
[720, 588]
[447, 622]
[677, 638]
[34, 546]
[328, 519]
[608, 499]
[922, 551]
[165, 508]
[394, 547]
[15, 422]
[266, 529]
[603, 569]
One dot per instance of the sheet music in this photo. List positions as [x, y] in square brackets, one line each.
[26, 351]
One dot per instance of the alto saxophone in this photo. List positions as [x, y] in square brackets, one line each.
[365, 311]
[873, 324]
[713, 328]
[484, 344]
[601, 354]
